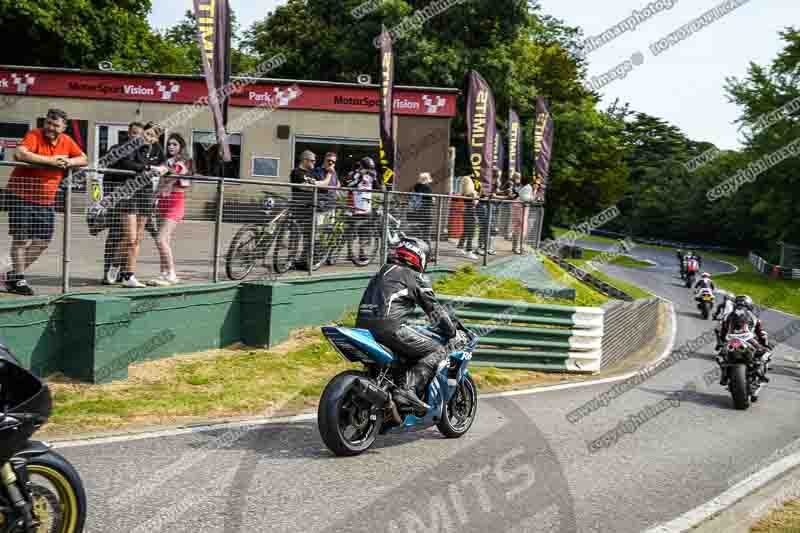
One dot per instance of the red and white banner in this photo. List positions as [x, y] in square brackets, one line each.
[188, 91]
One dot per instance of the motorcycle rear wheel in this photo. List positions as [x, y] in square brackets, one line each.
[59, 497]
[459, 413]
[343, 419]
[738, 386]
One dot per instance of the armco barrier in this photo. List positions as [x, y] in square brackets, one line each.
[532, 336]
[628, 327]
[597, 283]
[768, 269]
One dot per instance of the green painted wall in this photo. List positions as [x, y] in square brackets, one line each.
[94, 337]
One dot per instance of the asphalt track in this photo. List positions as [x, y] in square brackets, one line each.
[522, 468]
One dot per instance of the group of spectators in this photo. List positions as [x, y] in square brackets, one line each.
[364, 180]
[153, 198]
[510, 219]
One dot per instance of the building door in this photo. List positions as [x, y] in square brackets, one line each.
[349, 151]
[106, 136]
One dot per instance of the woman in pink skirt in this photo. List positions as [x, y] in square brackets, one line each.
[171, 206]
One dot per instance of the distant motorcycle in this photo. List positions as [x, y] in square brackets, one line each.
[738, 362]
[692, 268]
[356, 406]
[705, 302]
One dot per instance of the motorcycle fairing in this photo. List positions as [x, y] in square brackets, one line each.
[358, 345]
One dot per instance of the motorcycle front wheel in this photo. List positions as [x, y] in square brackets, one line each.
[738, 386]
[59, 498]
[344, 419]
[459, 413]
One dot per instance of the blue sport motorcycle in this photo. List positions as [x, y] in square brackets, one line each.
[357, 406]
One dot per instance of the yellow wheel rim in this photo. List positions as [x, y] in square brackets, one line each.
[66, 494]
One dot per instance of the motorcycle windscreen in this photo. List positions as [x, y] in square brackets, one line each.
[25, 402]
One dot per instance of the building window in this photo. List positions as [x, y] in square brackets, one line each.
[206, 154]
[11, 134]
[266, 167]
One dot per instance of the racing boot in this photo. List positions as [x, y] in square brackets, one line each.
[415, 386]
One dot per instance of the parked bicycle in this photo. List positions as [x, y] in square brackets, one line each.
[339, 233]
[277, 232]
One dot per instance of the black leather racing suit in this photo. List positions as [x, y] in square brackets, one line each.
[386, 310]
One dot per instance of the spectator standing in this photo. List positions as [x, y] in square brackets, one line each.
[302, 198]
[171, 206]
[32, 194]
[485, 212]
[364, 179]
[423, 205]
[326, 176]
[465, 243]
[520, 215]
[114, 256]
[137, 197]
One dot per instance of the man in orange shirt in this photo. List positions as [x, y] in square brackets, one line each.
[32, 194]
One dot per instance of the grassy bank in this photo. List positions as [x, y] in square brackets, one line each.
[776, 293]
[468, 281]
[785, 519]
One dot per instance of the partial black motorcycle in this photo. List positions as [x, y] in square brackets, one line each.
[741, 368]
[41, 491]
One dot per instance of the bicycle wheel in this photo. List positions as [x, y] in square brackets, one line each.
[243, 252]
[286, 247]
[324, 243]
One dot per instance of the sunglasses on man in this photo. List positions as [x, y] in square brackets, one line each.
[330, 162]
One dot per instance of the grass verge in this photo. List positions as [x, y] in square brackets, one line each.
[633, 290]
[620, 260]
[776, 293]
[785, 519]
[469, 281]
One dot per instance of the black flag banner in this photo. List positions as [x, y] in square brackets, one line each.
[214, 25]
[387, 149]
[481, 130]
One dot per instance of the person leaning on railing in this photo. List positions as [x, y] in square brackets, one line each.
[32, 194]
[136, 198]
[115, 258]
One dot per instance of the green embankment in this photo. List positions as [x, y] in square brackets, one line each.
[246, 382]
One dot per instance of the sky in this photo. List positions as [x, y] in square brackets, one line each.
[683, 84]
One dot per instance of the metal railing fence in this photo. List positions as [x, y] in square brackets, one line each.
[235, 229]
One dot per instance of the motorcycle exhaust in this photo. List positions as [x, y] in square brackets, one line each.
[367, 390]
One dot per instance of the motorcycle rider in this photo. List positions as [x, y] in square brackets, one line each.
[387, 310]
[725, 306]
[705, 283]
[743, 318]
[681, 264]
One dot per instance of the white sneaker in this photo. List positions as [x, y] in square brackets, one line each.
[112, 275]
[172, 279]
[472, 256]
[160, 281]
[133, 283]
